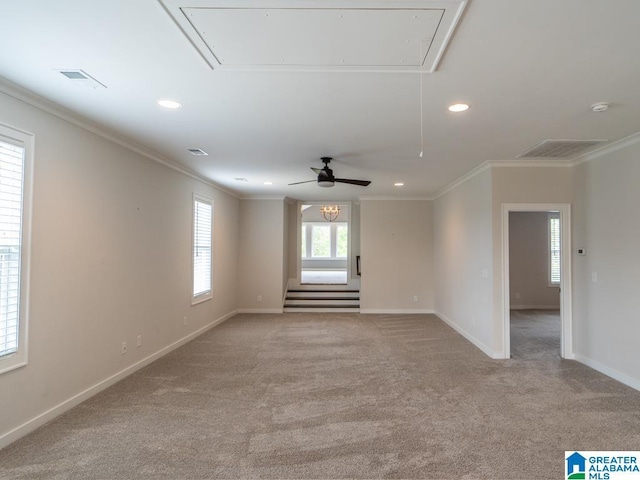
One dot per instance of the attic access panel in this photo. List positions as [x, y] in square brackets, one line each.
[318, 35]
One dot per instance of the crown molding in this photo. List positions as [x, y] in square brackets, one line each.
[466, 177]
[606, 149]
[264, 197]
[586, 157]
[503, 164]
[530, 163]
[399, 199]
[24, 95]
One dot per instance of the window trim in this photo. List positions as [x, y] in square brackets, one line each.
[208, 294]
[27, 141]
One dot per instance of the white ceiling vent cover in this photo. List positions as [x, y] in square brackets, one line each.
[318, 35]
[197, 151]
[560, 148]
[81, 78]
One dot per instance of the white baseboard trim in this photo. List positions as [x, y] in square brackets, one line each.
[608, 371]
[392, 311]
[534, 307]
[45, 417]
[260, 310]
[486, 350]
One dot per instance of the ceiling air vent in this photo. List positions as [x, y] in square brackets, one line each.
[197, 151]
[560, 148]
[82, 78]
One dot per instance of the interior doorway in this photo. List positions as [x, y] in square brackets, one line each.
[537, 280]
[325, 244]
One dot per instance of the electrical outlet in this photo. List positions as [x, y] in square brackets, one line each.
[259, 298]
[123, 350]
[139, 341]
[518, 295]
[184, 321]
[415, 298]
[594, 277]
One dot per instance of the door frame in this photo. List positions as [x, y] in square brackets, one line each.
[566, 310]
[299, 205]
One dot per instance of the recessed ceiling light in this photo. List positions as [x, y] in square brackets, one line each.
[268, 183]
[458, 107]
[398, 184]
[169, 104]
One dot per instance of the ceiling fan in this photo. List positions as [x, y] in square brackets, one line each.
[326, 178]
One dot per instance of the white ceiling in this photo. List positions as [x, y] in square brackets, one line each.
[318, 35]
[529, 69]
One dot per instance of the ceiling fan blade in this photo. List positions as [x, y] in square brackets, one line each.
[362, 183]
[323, 172]
[298, 183]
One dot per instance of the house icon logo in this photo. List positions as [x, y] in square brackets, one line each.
[576, 467]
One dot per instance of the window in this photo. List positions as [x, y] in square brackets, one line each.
[15, 195]
[554, 249]
[322, 240]
[202, 251]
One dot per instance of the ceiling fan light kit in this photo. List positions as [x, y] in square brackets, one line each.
[326, 179]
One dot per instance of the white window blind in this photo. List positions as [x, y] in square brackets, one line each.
[202, 235]
[554, 249]
[11, 199]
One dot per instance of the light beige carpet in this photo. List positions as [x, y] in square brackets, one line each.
[336, 396]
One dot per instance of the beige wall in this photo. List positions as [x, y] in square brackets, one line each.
[110, 260]
[355, 239]
[294, 243]
[261, 264]
[463, 250]
[529, 262]
[287, 206]
[607, 224]
[397, 254]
